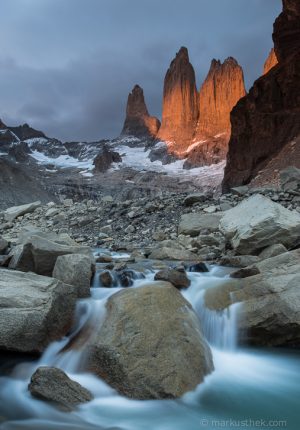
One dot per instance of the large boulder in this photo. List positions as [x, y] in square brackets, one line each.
[38, 254]
[34, 311]
[14, 212]
[150, 345]
[258, 222]
[105, 158]
[193, 224]
[290, 178]
[53, 385]
[271, 302]
[76, 270]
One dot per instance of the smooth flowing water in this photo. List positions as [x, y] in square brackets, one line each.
[250, 389]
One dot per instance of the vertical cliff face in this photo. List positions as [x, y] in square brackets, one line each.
[271, 61]
[268, 118]
[221, 90]
[138, 122]
[180, 103]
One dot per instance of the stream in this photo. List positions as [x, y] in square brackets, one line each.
[251, 388]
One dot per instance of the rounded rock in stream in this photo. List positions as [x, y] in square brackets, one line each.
[53, 385]
[150, 345]
[175, 277]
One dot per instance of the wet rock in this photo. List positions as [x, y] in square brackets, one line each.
[258, 222]
[177, 278]
[53, 385]
[34, 311]
[126, 277]
[104, 258]
[106, 279]
[76, 270]
[150, 345]
[245, 272]
[198, 267]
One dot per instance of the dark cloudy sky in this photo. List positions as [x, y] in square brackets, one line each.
[66, 66]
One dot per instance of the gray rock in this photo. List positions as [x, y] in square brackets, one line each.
[39, 255]
[76, 270]
[272, 251]
[239, 260]
[14, 212]
[34, 311]
[258, 222]
[53, 385]
[177, 278]
[3, 245]
[165, 253]
[150, 345]
[240, 191]
[191, 199]
[290, 178]
[106, 279]
[271, 301]
[192, 224]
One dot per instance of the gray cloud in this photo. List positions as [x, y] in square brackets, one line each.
[66, 66]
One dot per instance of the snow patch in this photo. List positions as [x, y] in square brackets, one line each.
[62, 161]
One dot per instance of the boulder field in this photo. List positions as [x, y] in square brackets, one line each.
[150, 343]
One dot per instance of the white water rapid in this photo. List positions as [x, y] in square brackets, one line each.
[246, 386]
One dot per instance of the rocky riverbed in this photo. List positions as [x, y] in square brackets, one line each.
[145, 258]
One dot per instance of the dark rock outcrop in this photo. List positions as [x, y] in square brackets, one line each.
[105, 158]
[270, 62]
[268, 118]
[138, 122]
[180, 104]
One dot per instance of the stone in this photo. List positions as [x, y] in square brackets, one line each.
[245, 272]
[106, 279]
[39, 255]
[138, 122]
[180, 104]
[76, 270]
[3, 245]
[51, 212]
[105, 158]
[269, 315]
[270, 62]
[258, 222]
[290, 178]
[267, 120]
[272, 251]
[191, 199]
[14, 212]
[165, 253]
[34, 311]
[210, 209]
[150, 345]
[193, 224]
[177, 278]
[240, 191]
[239, 260]
[53, 385]
[198, 267]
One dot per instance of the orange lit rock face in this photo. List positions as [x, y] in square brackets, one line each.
[268, 118]
[221, 90]
[271, 61]
[180, 104]
[138, 122]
